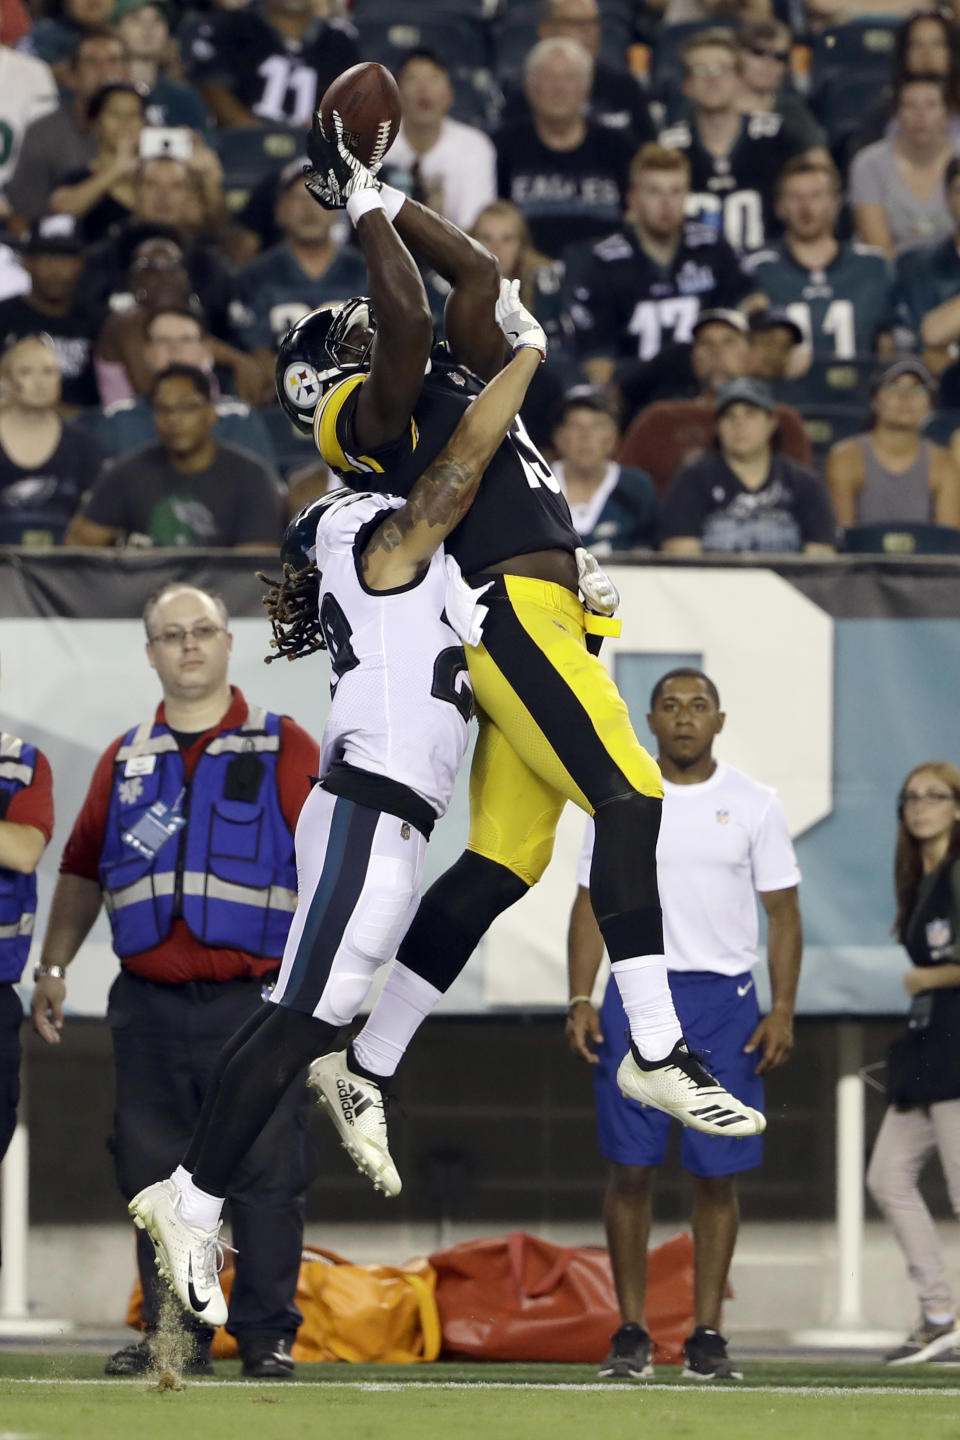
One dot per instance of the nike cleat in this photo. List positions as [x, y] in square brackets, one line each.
[356, 1105]
[683, 1087]
[187, 1257]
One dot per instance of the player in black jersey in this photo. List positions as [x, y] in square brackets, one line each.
[644, 287]
[734, 158]
[553, 726]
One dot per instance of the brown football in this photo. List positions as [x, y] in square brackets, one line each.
[368, 102]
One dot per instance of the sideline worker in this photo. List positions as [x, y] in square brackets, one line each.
[724, 839]
[26, 824]
[186, 836]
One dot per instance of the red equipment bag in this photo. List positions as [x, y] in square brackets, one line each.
[518, 1297]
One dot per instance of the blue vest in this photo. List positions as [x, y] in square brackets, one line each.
[230, 873]
[18, 893]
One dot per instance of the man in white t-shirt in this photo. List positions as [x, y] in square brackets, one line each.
[452, 165]
[723, 841]
[27, 91]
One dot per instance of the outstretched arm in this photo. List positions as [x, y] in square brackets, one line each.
[404, 328]
[473, 272]
[400, 548]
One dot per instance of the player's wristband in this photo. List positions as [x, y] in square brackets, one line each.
[393, 200]
[579, 1000]
[363, 202]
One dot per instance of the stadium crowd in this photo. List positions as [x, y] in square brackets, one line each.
[734, 218]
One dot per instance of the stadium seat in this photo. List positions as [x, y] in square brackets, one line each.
[414, 10]
[942, 425]
[247, 155]
[290, 448]
[826, 424]
[894, 539]
[858, 49]
[840, 106]
[461, 42]
[831, 382]
[32, 528]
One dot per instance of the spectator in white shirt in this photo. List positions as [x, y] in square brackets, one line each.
[452, 165]
[27, 91]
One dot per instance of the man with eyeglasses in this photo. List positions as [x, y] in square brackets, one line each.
[177, 334]
[188, 489]
[734, 158]
[186, 838]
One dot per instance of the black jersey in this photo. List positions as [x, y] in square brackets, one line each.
[279, 79]
[735, 191]
[519, 506]
[625, 304]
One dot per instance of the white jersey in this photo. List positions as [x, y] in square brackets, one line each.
[27, 91]
[401, 694]
[721, 842]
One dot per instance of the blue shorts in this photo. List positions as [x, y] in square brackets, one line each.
[717, 1021]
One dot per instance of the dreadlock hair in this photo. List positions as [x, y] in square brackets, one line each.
[292, 604]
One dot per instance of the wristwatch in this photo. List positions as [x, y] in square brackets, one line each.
[49, 972]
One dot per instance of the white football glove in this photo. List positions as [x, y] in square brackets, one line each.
[520, 330]
[599, 592]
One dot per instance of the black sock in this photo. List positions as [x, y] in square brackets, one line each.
[251, 1086]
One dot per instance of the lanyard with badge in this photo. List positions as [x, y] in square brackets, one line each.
[160, 823]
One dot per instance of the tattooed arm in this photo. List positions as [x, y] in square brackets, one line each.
[400, 548]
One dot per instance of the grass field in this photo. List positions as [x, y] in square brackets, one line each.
[58, 1397]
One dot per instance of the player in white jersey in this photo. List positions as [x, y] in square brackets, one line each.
[723, 841]
[365, 578]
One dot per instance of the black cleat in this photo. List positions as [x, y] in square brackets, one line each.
[631, 1355]
[706, 1358]
[138, 1358]
[268, 1359]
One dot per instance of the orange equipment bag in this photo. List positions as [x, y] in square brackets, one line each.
[384, 1313]
[518, 1297]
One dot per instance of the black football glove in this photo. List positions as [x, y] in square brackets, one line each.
[334, 173]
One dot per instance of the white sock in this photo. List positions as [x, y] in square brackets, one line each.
[941, 1318]
[196, 1206]
[645, 992]
[405, 1002]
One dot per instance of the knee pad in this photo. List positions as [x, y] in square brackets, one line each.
[455, 914]
[345, 991]
[623, 876]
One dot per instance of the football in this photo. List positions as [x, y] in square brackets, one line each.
[368, 102]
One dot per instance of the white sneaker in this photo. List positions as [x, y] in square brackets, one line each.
[356, 1106]
[187, 1257]
[683, 1087]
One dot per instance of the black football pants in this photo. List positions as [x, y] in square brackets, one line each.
[166, 1041]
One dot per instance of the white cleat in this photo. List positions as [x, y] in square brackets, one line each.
[683, 1087]
[356, 1106]
[187, 1257]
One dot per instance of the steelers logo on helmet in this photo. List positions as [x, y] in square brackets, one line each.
[302, 385]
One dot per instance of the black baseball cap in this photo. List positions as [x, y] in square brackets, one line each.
[585, 397]
[52, 235]
[774, 317]
[748, 392]
[909, 365]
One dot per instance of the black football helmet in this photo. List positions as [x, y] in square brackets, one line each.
[319, 350]
[298, 548]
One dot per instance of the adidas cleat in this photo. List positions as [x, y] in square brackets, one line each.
[357, 1108]
[683, 1087]
[187, 1257]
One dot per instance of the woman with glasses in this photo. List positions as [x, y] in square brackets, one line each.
[923, 1068]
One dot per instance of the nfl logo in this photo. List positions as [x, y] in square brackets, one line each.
[302, 385]
[723, 817]
[938, 934]
[404, 831]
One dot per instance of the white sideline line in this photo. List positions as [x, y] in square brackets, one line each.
[593, 1388]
